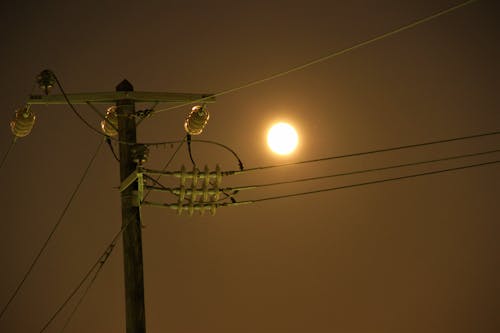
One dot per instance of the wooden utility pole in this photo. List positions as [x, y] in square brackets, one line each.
[131, 180]
[131, 218]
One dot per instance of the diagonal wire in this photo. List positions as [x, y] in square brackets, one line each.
[98, 264]
[7, 153]
[167, 164]
[72, 107]
[54, 228]
[240, 163]
[329, 56]
[239, 203]
[390, 167]
[368, 152]
[161, 187]
[374, 182]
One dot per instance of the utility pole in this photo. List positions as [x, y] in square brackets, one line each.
[131, 219]
[131, 154]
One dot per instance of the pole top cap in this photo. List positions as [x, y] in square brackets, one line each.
[125, 86]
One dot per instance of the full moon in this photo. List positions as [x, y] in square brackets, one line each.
[282, 138]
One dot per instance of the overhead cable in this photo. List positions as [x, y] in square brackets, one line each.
[162, 188]
[97, 267]
[167, 164]
[202, 206]
[368, 152]
[54, 228]
[374, 182]
[7, 153]
[328, 56]
[240, 163]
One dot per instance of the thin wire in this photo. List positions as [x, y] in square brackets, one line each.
[428, 143]
[108, 141]
[72, 107]
[448, 158]
[239, 203]
[240, 163]
[163, 188]
[100, 262]
[54, 228]
[7, 153]
[188, 137]
[167, 164]
[373, 182]
[327, 57]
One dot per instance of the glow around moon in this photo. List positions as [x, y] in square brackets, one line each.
[282, 138]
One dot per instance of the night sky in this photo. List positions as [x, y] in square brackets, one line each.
[415, 255]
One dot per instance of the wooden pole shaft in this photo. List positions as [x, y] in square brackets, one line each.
[132, 242]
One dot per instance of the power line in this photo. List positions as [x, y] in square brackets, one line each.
[72, 107]
[329, 56]
[167, 164]
[54, 228]
[372, 182]
[368, 152]
[163, 188]
[241, 203]
[98, 264]
[7, 153]
[240, 163]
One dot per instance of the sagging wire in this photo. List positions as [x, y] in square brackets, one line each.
[52, 232]
[328, 56]
[373, 182]
[7, 153]
[240, 163]
[98, 264]
[188, 140]
[168, 163]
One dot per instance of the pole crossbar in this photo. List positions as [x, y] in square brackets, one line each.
[114, 96]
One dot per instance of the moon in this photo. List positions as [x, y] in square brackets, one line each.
[282, 138]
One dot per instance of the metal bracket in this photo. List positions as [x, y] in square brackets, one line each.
[128, 181]
[138, 195]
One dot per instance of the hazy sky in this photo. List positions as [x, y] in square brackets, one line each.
[417, 255]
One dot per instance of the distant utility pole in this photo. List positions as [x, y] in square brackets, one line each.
[131, 155]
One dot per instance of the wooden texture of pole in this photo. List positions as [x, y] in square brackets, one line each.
[132, 240]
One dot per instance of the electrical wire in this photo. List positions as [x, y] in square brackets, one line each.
[327, 57]
[350, 173]
[373, 182]
[7, 153]
[54, 228]
[240, 203]
[72, 107]
[108, 141]
[368, 152]
[188, 139]
[240, 163]
[98, 264]
[163, 188]
[166, 164]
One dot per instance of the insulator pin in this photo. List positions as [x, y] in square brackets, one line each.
[110, 125]
[22, 123]
[196, 120]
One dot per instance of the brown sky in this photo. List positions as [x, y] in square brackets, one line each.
[418, 255]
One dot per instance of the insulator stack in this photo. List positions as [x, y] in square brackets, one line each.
[23, 122]
[196, 120]
[203, 192]
[110, 124]
[191, 208]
